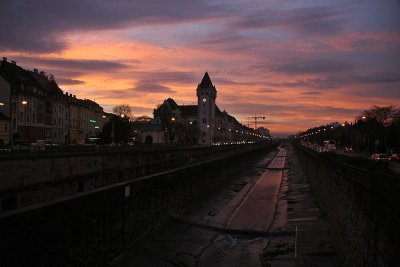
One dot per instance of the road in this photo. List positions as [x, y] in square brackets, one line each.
[251, 222]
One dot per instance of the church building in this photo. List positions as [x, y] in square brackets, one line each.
[203, 123]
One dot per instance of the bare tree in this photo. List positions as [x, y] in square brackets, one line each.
[123, 110]
[383, 115]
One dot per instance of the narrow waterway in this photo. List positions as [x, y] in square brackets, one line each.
[251, 221]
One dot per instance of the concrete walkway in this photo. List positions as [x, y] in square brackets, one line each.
[298, 212]
[257, 209]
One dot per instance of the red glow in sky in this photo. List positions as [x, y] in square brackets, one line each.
[299, 63]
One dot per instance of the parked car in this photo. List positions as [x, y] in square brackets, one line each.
[330, 145]
[5, 149]
[348, 149]
[379, 157]
[394, 157]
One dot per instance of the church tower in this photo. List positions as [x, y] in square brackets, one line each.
[206, 95]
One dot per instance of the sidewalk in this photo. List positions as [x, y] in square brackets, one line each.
[298, 212]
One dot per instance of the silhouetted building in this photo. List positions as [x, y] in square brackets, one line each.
[39, 110]
[203, 123]
[4, 130]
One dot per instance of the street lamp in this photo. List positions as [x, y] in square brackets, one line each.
[24, 103]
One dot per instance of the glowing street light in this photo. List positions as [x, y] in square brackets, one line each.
[24, 102]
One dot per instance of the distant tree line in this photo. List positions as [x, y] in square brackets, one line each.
[375, 130]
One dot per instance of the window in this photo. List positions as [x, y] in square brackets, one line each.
[204, 120]
[6, 127]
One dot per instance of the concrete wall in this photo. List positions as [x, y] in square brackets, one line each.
[91, 228]
[31, 178]
[360, 204]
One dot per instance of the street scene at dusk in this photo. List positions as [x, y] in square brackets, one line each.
[199, 133]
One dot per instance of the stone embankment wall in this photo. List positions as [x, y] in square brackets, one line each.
[360, 204]
[29, 178]
[90, 228]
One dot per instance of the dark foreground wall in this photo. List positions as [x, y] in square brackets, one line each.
[91, 228]
[31, 178]
[362, 207]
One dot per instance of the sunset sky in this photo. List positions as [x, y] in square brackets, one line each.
[299, 63]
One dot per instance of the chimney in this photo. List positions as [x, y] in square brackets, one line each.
[13, 62]
[5, 59]
[74, 96]
[35, 70]
[66, 93]
[43, 73]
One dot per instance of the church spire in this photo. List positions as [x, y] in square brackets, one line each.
[206, 81]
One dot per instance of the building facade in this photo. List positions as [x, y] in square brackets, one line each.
[37, 109]
[203, 123]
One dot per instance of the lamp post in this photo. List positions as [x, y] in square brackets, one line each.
[24, 103]
[172, 129]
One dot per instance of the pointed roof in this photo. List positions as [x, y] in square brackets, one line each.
[171, 103]
[206, 81]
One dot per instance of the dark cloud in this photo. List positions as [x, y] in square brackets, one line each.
[141, 89]
[150, 87]
[285, 110]
[312, 66]
[311, 20]
[36, 26]
[228, 41]
[381, 77]
[158, 76]
[64, 81]
[115, 94]
[311, 93]
[384, 92]
[268, 91]
[77, 64]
